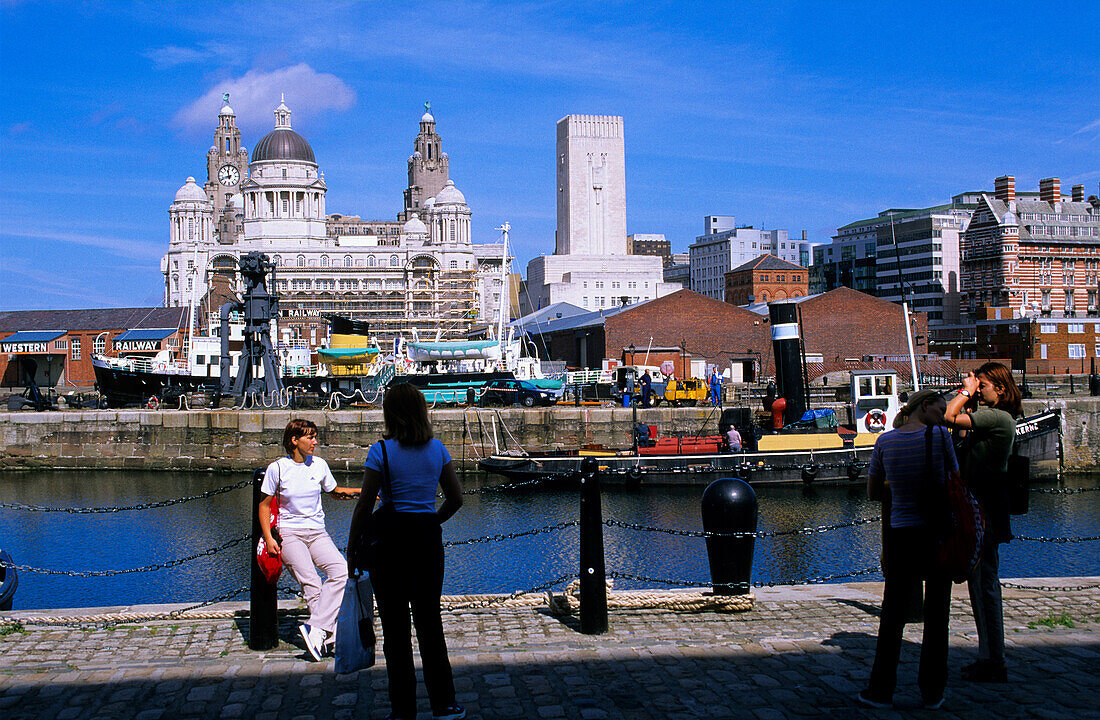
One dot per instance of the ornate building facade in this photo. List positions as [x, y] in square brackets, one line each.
[422, 273]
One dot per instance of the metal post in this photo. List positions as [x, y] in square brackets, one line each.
[263, 627]
[593, 572]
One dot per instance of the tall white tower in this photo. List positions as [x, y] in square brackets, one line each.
[190, 239]
[591, 173]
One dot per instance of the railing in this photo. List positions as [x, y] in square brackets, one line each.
[590, 526]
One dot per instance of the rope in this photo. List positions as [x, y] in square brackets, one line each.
[569, 601]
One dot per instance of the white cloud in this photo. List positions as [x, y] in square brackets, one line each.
[115, 246]
[256, 93]
[207, 52]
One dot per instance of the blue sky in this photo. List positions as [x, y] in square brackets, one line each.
[804, 116]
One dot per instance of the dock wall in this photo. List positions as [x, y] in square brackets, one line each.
[239, 440]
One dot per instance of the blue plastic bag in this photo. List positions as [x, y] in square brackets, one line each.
[355, 626]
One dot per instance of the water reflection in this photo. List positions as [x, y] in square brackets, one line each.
[138, 538]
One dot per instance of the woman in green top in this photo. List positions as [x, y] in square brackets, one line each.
[990, 430]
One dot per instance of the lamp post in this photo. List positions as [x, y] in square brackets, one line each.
[630, 394]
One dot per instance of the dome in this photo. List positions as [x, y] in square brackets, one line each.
[427, 117]
[283, 144]
[415, 156]
[429, 203]
[414, 226]
[450, 195]
[190, 192]
[226, 110]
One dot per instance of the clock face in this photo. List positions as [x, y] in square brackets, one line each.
[229, 175]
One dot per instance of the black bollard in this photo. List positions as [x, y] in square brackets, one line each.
[729, 506]
[1094, 379]
[593, 572]
[263, 626]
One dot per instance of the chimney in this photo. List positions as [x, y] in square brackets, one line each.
[1050, 190]
[1004, 188]
[804, 232]
[1078, 193]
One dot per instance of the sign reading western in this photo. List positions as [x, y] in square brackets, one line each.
[23, 347]
[137, 345]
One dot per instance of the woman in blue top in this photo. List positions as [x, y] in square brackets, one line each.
[900, 476]
[408, 465]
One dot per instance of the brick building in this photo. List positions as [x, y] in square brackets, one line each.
[765, 279]
[837, 325]
[60, 343]
[1034, 257]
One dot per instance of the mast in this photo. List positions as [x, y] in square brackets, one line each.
[504, 294]
[905, 309]
[191, 309]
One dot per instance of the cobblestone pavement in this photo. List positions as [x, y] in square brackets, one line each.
[801, 652]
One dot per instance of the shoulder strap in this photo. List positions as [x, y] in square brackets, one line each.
[386, 471]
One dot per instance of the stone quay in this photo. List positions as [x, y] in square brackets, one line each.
[802, 651]
[232, 440]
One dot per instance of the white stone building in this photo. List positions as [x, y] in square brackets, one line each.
[591, 266]
[429, 276]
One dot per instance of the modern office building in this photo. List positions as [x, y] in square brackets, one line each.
[724, 246]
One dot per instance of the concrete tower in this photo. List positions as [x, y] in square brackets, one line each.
[226, 169]
[591, 186]
[429, 167]
[190, 239]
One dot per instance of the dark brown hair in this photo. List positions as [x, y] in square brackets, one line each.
[405, 413]
[1001, 377]
[295, 429]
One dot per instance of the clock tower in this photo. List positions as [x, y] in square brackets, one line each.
[226, 169]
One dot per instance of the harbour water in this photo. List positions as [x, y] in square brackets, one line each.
[133, 539]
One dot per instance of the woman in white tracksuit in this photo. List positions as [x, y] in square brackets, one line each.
[297, 481]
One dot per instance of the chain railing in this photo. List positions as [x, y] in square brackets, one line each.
[142, 506]
[468, 602]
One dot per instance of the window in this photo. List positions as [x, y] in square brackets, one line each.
[76, 349]
[347, 261]
[370, 261]
[99, 345]
[393, 261]
[1075, 327]
[454, 264]
[286, 204]
[1076, 351]
[301, 261]
[284, 177]
[324, 261]
[60, 344]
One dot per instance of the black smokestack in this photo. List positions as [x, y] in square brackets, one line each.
[787, 348]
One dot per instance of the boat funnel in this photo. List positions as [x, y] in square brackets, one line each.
[787, 348]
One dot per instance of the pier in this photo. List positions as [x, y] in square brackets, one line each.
[232, 440]
[803, 651]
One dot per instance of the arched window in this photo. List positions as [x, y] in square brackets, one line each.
[347, 261]
[324, 261]
[301, 261]
[370, 261]
[393, 261]
[275, 260]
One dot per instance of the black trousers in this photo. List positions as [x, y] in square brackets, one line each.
[910, 557]
[408, 574]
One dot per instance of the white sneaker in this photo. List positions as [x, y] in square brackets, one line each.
[314, 639]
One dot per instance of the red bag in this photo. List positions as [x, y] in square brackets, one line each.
[961, 523]
[270, 565]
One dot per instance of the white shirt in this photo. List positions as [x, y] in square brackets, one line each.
[298, 487]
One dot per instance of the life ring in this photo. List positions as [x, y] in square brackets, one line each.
[160, 367]
[875, 420]
[809, 472]
[634, 474]
[152, 403]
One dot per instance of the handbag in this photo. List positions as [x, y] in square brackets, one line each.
[271, 565]
[377, 525]
[956, 517]
[355, 637]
